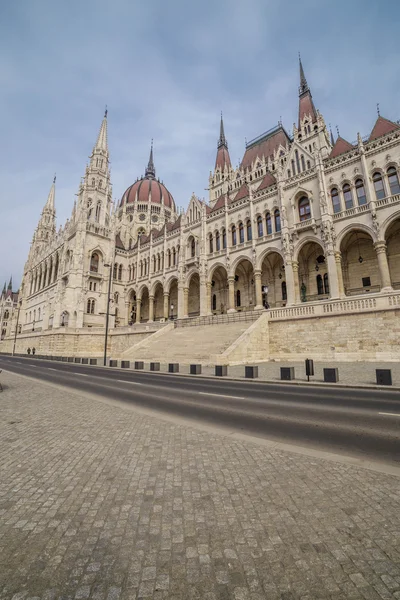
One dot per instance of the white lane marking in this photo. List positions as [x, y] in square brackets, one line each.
[51, 369]
[81, 374]
[222, 396]
[390, 414]
[132, 382]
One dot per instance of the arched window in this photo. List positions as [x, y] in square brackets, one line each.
[249, 232]
[90, 306]
[141, 268]
[293, 168]
[115, 271]
[260, 226]
[296, 154]
[130, 273]
[119, 272]
[393, 181]
[308, 164]
[277, 217]
[304, 209]
[268, 223]
[116, 315]
[214, 302]
[38, 314]
[360, 190]
[348, 196]
[284, 290]
[224, 239]
[233, 235]
[93, 182]
[238, 298]
[303, 164]
[211, 242]
[378, 184]
[94, 262]
[193, 248]
[173, 256]
[6, 315]
[169, 257]
[154, 264]
[326, 283]
[217, 241]
[130, 243]
[320, 285]
[241, 233]
[335, 200]
[98, 209]
[158, 262]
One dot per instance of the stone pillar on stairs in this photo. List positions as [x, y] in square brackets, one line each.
[166, 305]
[338, 258]
[138, 306]
[257, 280]
[185, 302]
[383, 264]
[231, 295]
[180, 308]
[151, 309]
[208, 298]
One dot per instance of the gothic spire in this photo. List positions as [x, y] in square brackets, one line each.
[3, 293]
[303, 81]
[50, 200]
[101, 143]
[9, 285]
[150, 170]
[222, 139]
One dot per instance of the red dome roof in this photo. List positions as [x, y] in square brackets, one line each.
[148, 190]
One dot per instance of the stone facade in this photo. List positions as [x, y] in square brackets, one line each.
[303, 219]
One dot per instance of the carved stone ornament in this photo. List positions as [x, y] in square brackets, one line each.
[375, 224]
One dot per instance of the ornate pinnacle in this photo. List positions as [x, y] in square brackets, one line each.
[150, 170]
[303, 81]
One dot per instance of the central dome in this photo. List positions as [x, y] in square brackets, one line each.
[148, 189]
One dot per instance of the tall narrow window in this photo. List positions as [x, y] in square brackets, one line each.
[224, 239]
[94, 262]
[393, 181]
[120, 273]
[238, 298]
[115, 271]
[360, 190]
[335, 200]
[296, 154]
[326, 283]
[303, 164]
[277, 217]
[217, 242]
[233, 235]
[241, 233]
[249, 232]
[320, 285]
[214, 302]
[268, 223]
[348, 196]
[193, 248]
[211, 241]
[260, 226]
[169, 257]
[304, 209]
[284, 290]
[379, 187]
[293, 168]
[173, 256]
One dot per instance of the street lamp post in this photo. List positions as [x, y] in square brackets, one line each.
[107, 314]
[16, 327]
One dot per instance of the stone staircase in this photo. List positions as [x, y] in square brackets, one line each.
[201, 344]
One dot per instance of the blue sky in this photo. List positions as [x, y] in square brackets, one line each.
[166, 70]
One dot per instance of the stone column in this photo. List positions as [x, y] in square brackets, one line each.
[166, 305]
[203, 297]
[231, 298]
[208, 298]
[151, 309]
[185, 302]
[386, 284]
[180, 307]
[138, 305]
[257, 281]
[289, 278]
[296, 284]
[333, 277]
[338, 259]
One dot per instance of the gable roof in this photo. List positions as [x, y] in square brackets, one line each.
[265, 145]
[220, 203]
[382, 127]
[242, 193]
[118, 242]
[267, 181]
[341, 146]
[306, 107]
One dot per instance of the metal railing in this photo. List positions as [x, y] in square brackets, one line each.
[234, 317]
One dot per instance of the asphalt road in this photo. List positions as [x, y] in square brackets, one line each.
[352, 422]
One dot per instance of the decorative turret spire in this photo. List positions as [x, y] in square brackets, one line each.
[102, 143]
[10, 284]
[332, 138]
[150, 172]
[51, 197]
[222, 139]
[3, 293]
[303, 81]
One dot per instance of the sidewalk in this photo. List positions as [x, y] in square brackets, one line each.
[98, 501]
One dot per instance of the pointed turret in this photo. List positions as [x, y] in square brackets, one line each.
[3, 293]
[9, 288]
[50, 206]
[223, 159]
[102, 142]
[306, 104]
[150, 172]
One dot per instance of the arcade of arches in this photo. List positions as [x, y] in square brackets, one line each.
[360, 266]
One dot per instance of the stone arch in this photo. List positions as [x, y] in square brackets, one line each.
[306, 240]
[193, 285]
[388, 222]
[172, 288]
[359, 227]
[214, 267]
[158, 293]
[170, 281]
[219, 289]
[131, 302]
[272, 276]
[313, 269]
[154, 285]
[236, 262]
[359, 261]
[145, 303]
[392, 239]
[245, 293]
[264, 254]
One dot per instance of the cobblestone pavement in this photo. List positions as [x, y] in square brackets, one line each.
[99, 501]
